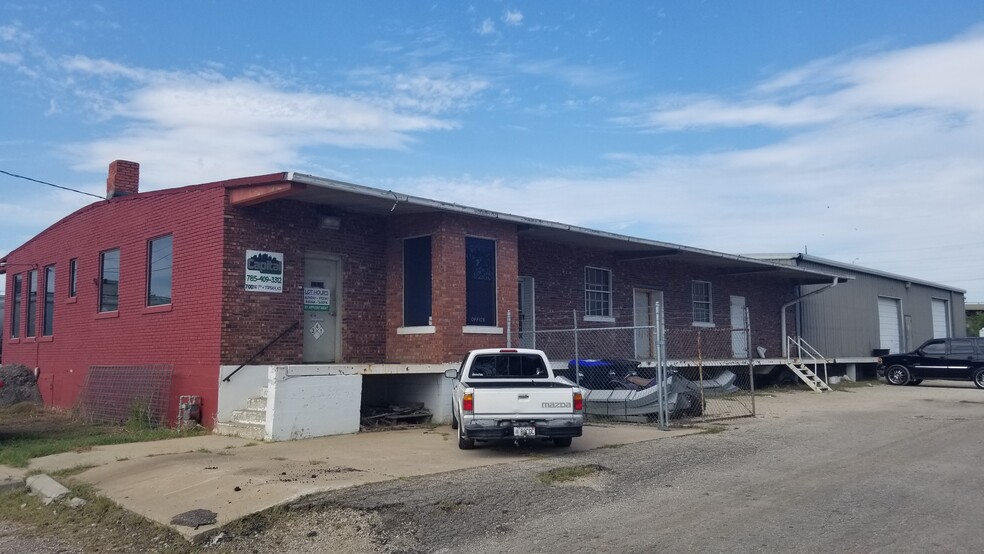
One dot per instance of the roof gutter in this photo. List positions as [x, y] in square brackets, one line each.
[797, 300]
[523, 220]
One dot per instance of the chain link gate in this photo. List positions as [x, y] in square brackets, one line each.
[649, 373]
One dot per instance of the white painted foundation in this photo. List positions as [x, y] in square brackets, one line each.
[311, 401]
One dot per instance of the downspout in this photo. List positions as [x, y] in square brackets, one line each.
[797, 300]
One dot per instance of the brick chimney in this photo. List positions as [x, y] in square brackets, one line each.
[124, 178]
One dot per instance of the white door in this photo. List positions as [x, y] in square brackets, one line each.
[941, 319]
[646, 305]
[527, 313]
[739, 331]
[322, 305]
[888, 325]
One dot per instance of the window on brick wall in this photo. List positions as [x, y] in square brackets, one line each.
[16, 306]
[159, 256]
[32, 303]
[480, 282]
[701, 291]
[48, 314]
[73, 277]
[417, 282]
[109, 281]
[597, 292]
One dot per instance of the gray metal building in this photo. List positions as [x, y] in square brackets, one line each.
[874, 313]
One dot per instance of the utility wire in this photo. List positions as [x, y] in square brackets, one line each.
[51, 184]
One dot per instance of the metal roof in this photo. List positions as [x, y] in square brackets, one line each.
[852, 268]
[359, 198]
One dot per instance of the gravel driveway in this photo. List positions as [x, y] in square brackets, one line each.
[865, 469]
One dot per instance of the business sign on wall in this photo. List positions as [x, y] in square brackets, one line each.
[264, 271]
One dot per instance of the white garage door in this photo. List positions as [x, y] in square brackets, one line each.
[941, 319]
[888, 324]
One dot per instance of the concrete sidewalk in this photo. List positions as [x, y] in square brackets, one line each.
[235, 477]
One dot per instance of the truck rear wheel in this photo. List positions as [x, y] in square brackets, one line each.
[464, 443]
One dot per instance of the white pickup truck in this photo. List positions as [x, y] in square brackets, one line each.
[512, 394]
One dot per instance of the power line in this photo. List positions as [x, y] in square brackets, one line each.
[51, 184]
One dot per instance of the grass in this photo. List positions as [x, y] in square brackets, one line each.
[713, 429]
[28, 431]
[96, 527]
[568, 473]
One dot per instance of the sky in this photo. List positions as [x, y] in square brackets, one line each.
[852, 129]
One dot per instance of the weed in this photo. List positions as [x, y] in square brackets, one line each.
[713, 429]
[569, 473]
[68, 472]
[249, 444]
[34, 432]
[141, 418]
[93, 527]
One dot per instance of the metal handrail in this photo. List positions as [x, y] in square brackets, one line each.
[804, 347]
[262, 350]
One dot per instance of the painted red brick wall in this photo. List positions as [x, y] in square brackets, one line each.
[184, 334]
[558, 271]
[252, 319]
[448, 343]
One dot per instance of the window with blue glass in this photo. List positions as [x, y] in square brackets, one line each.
[480, 282]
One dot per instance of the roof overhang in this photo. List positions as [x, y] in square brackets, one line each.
[625, 249]
[842, 267]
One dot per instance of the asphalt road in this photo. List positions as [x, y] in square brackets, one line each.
[880, 469]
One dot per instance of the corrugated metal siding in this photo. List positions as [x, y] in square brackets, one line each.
[843, 321]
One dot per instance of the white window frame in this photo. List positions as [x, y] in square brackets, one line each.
[609, 317]
[694, 302]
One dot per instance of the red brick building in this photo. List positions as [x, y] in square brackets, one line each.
[204, 278]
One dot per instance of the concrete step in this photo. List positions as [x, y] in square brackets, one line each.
[258, 403]
[249, 417]
[244, 430]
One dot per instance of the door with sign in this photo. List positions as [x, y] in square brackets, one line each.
[322, 307]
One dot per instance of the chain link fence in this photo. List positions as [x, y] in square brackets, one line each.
[637, 368]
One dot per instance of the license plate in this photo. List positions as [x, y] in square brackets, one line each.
[524, 431]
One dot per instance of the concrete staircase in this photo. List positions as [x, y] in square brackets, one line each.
[249, 423]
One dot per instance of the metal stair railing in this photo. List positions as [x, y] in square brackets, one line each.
[815, 356]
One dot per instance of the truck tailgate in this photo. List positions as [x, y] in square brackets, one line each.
[526, 401]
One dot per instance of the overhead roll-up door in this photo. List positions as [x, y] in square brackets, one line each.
[888, 324]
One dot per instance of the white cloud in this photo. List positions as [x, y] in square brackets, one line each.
[192, 129]
[10, 59]
[487, 27]
[13, 33]
[104, 68]
[946, 78]
[513, 18]
[879, 162]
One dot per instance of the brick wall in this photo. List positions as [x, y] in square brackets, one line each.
[252, 319]
[448, 232]
[558, 271]
[184, 334]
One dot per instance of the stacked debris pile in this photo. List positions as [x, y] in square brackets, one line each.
[394, 415]
[18, 384]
